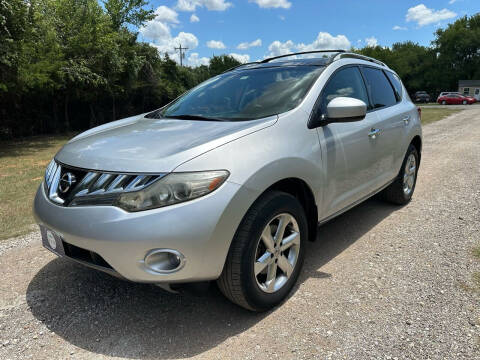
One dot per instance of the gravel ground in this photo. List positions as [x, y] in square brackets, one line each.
[382, 283]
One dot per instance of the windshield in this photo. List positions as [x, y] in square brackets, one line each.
[245, 94]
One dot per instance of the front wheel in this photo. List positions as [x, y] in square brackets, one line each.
[266, 254]
[401, 190]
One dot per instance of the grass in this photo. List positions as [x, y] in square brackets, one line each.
[426, 104]
[430, 115]
[22, 166]
[437, 104]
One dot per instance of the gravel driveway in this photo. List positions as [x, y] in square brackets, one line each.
[383, 282]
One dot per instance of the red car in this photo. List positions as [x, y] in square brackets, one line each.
[455, 99]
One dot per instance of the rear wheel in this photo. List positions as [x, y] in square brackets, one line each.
[401, 190]
[266, 254]
[444, 102]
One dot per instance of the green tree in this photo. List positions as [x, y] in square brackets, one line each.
[122, 12]
[458, 49]
[219, 64]
[13, 23]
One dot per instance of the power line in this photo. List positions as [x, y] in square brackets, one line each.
[182, 51]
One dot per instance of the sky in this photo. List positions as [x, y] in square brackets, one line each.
[251, 30]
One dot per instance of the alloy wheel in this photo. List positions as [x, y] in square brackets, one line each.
[277, 253]
[409, 174]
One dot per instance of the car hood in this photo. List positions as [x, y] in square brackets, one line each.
[144, 145]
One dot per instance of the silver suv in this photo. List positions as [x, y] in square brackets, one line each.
[230, 180]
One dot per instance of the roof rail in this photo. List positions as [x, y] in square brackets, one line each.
[357, 56]
[338, 54]
[302, 53]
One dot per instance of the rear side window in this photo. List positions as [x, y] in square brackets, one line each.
[379, 88]
[397, 85]
[345, 82]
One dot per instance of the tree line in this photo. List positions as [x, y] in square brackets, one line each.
[68, 65]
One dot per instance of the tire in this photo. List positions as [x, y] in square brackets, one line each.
[397, 192]
[238, 281]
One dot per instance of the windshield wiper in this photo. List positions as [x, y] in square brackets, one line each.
[192, 117]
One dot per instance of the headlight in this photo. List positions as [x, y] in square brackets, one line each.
[172, 189]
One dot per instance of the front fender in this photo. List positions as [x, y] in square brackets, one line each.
[259, 160]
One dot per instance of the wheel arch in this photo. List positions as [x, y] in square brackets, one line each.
[304, 194]
[417, 142]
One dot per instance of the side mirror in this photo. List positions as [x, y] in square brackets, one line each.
[345, 109]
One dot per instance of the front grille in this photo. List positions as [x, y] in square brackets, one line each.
[66, 185]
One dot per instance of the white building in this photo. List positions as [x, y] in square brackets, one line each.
[469, 88]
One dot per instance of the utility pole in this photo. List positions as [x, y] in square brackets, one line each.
[182, 51]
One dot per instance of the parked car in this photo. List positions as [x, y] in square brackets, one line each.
[447, 93]
[456, 93]
[455, 99]
[421, 96]
[230, 180]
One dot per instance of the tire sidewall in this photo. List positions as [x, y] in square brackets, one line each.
[282, 203]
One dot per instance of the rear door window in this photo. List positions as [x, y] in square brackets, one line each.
[397, 85]
[379, 88]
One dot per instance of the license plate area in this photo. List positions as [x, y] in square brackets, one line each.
[52, 241]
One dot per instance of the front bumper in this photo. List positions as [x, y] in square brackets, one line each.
[201, 229]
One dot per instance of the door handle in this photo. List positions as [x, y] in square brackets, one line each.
[406, 119]
[374, 133]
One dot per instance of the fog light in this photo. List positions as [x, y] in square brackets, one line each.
[164, 260]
